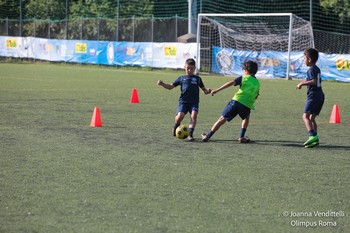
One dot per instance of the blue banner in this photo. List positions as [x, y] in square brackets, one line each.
[171, 55]
[159, 55]
[274, 64]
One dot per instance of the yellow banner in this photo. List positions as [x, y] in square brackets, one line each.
[11, 44]
[342, 64]
[80, 48]
[170, 51]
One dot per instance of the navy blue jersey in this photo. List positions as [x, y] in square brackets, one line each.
[189, 88]
[314, 73]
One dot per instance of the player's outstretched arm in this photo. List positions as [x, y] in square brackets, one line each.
[226, 85]
[165, 85]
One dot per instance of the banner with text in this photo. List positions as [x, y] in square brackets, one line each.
[274, 64]
[158, 55]
[170, 55]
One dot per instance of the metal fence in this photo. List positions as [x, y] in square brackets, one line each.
[131, 29]
[136, 30]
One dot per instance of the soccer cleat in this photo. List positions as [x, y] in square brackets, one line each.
[244, 140]
[311, 140]
[313, 144]
[190, 138]
[205, 138]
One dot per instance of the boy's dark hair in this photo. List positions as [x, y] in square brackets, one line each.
[251, 67]
[191, 62]
[312, 54]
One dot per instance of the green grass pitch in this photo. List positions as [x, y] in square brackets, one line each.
[58, 174]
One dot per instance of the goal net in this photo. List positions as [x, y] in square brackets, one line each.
[253, 34]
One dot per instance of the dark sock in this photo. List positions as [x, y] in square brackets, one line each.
[242, 132]
[210, 133]
[312, 133]
[175, 127]
[191, 131]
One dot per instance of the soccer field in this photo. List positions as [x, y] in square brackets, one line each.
[58, 174]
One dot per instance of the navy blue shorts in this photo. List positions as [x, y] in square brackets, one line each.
[314, 103]
[235, 108]
[187, 107]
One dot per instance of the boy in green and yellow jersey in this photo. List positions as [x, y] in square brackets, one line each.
[241, 103]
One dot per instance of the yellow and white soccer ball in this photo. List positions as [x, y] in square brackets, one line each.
[182, 132]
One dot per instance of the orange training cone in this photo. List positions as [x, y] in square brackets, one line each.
[134, 97]
[96, 118]
[335, 116]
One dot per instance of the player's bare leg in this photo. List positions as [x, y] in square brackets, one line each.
[179, 117]
[245, 122]
[307, 121]
[242, 138]
[313, 121]
[214, 128]
[193, 120]
[311, 126]
[192, 125]
[218, 124]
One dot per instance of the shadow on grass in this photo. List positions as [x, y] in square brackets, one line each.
[334, 147]
[299, 144]
[286, 143]
[279, 143]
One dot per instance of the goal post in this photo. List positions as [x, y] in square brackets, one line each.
[281, 33]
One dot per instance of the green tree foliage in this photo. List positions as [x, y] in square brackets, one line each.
[341, 8]
[91, 9]
[97, 9]
[109, 9]
[9, 9]
[45, 9]
[328, 15]
[137, 8]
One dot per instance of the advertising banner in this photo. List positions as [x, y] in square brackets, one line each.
[158, 55]
[274, 64]
[170, 55]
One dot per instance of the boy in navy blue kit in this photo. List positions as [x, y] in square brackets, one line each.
[315, 96]
[189, 98]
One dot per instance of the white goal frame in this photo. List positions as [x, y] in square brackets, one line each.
[290, 15]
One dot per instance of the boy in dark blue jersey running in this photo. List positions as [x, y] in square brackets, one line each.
[189, 98]
[315, 96]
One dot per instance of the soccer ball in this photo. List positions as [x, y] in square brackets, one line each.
[182, 132]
